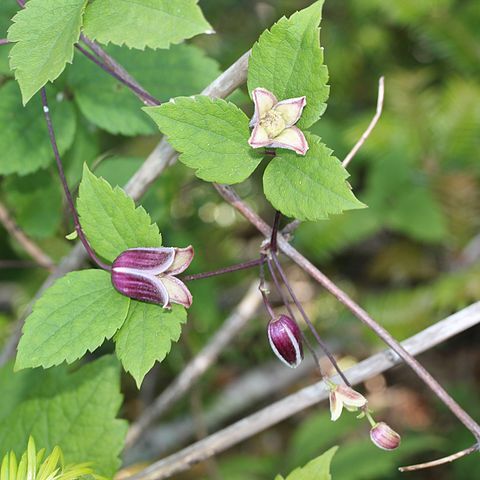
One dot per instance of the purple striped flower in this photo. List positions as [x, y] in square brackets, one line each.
[149, 275]
[384, 437]
[286, 341]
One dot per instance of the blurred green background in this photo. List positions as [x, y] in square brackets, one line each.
[411, 258]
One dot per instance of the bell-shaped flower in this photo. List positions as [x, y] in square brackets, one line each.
[273, 122]
[343, 396]
[149, 275]
[286, 340]
[384, 437]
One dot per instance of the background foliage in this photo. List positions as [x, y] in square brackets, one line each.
[409, 258]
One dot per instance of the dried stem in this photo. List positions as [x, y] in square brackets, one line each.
[40, 257]
[441, 461]
[221, 271]
[61, 173]
[371, 126]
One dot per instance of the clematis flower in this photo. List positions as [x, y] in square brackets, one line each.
[148, 275]
[273, 122]
[384, 437]
[286, 341]
[340, 396]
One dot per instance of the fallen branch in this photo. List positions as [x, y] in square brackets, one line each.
[306, 397]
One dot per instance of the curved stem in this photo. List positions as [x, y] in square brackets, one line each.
[68, 195]
[441, 461]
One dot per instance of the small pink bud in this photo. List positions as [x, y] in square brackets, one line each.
[286, 340]
[384, 437]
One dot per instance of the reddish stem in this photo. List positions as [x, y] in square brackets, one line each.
[68, 195]
[221, 271]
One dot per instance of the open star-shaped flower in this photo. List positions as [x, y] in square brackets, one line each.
[343, 396]
[148, 275]
[273, 122]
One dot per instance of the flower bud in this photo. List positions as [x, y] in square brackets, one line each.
[149, 275]
[384, 437]
[286, 341]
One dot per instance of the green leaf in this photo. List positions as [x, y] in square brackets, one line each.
[309, 187]
[288, 61]
[35, 202]
[113, 107]
[317, 469]
[110, 220]
[45, 33]
[147, 335]
[25, 145]
[75, 315]
[7, 11]
[74, 410]
[144, 23]
[212, 136]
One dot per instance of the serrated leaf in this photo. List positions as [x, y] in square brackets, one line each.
[36, 202]
[44, 33]
[288, 61]
[25, 145]
[144, 23]
[146, 336]
[113, 107]
[75, 315]
[309, 187]
[212, 136]
[73, 410]
[110, 219]
[317, 469]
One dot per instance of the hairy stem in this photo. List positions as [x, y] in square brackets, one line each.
[221, 271]
[68, 195]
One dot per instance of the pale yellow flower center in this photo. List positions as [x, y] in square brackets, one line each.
[273, 123]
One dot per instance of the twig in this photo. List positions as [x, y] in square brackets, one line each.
[221, 271]
[159, 159]
[5, 264]
[371, 126]
[306, 397]
[190, 374]
[40, 257]
[256, 385]
[68, 195]
[233, 199]
[441, 461]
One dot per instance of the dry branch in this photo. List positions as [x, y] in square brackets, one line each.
[306, 397]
